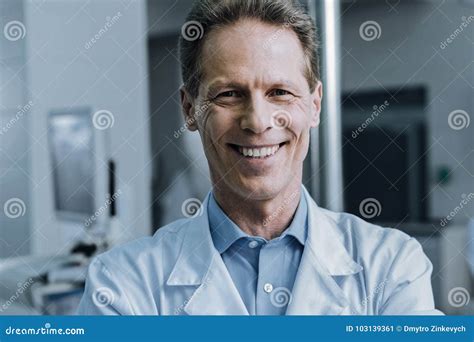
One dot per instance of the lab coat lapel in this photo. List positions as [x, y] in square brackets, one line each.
[315, 292]
[200, 264]
[217, 295]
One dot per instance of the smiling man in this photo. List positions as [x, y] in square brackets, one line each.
[260, 245]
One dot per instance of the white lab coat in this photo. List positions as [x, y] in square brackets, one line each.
[348, 267]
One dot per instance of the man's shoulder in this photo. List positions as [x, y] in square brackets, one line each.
[149, 249]
[358, 234]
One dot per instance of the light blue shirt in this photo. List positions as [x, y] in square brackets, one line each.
[262, 271]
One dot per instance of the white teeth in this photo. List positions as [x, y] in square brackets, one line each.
[259, 152]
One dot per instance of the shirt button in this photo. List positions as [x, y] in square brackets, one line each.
[268, 287]
[253, 244]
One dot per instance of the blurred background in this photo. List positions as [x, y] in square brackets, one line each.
[94, 151]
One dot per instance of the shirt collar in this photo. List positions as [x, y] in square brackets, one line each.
[225, 232]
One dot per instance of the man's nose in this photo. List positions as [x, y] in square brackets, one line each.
[257, 115]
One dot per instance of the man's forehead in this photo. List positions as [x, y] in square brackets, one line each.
[254, 38]
[241, 80]
[273, 55]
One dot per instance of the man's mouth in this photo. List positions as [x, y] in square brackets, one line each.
[257, 152]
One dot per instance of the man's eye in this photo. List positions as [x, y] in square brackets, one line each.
[230, 93]
[279, 92]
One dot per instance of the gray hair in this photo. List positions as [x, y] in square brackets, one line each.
[207, 15]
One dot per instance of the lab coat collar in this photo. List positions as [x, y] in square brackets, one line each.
[200, 264]
[315, 292]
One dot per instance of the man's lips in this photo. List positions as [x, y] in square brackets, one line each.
[257, 151]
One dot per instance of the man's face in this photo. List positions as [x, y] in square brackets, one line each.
[255, 109]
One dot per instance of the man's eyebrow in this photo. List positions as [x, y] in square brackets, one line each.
[214, 86]
[284, 83]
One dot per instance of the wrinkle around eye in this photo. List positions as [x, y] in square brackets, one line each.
[229, 93]
[230, 97]
[279, 94]
[283, 92]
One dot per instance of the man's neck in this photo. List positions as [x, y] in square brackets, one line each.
[264, 218]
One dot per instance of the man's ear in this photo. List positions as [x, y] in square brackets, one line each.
[317, 97]
[187, 107]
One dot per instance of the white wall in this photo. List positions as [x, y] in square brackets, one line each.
[413, 31]
[111, 75]
[15, 169]
[165, 17]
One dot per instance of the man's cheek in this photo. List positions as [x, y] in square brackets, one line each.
[212, 135]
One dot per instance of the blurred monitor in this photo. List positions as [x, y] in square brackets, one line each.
[384, 154]
[71, 145]
[57, 299]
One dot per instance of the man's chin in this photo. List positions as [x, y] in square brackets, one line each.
[258, 189]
